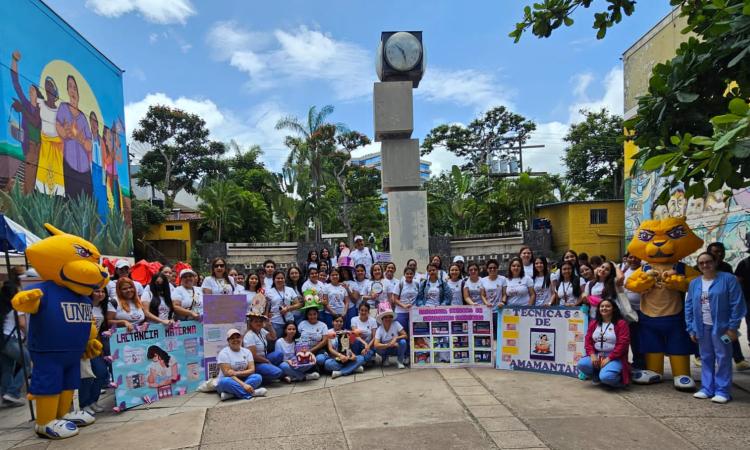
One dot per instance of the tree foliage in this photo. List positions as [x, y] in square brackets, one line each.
[144, 215]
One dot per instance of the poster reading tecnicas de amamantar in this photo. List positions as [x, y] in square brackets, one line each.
[156, 362]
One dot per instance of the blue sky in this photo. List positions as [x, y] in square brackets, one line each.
[242, 65]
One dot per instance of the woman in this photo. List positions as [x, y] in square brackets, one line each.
[607, 342]
[337, 299]
[527, 259]
[312, 260]
[341, 361]
[585, 271]
[569, 287]
[493, 283]
[158, 300]
[390, 281]
[219, 282]
[519, 290]
[259, 334]
[163, 370]
[313, 332]
[390, 339]
[570, 256]
[455, 283]
[187, 299]
[129, 312]
[600, 288]
[237, 377]
[365, 326]
[474, 293]
[294, 281]
[437, 260]
[287, 345]
[11, 373]
[269, 268]
[323, 272]
[714, 308]
[433, 291]
[168, 272]
[360, 286]
[378, 287]
[405, 297]
[542, 283]
[325, 255]
[91, 386]
[252, 287]
[281, 301]
[412, 263]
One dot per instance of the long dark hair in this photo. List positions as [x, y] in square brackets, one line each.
[160, 292]
[575, 280]
[155, 350]
[545, 271]
[610, 290]
[104, 306]
[226, 270]
[8, 291]
[616, 314]
[298, 285]
[520, 261]
[575, 262]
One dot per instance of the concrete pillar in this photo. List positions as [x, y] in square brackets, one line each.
[399, 163]
[408, 227]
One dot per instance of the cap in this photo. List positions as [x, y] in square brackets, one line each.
[187, 271]
[358, 238]
[458, 258]
[232, 331]
[122, 263]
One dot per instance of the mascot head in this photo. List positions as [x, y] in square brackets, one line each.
[664, 241]
[68, 261]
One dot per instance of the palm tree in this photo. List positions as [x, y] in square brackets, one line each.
[221, 202]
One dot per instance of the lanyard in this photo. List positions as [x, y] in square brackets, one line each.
[262, 339]
[602, 332]
[565, 291]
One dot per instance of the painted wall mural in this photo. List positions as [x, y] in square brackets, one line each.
[63, 155]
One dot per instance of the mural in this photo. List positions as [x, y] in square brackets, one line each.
[63, 156]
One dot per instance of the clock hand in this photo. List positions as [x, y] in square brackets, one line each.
[403, 53]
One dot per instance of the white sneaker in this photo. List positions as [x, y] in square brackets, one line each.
[312, 376]
[360, 369]
[79, 418]
[701, 395]
[260, 392]
[335, 374]
[225, 396]
[719, 399]
[401, 366]
[378, 359]
[89, 410]
[96, 407]
[57, 429]
[13, 401]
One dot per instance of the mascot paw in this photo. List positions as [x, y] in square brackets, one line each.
[640, 281]
[684, 383]
[676, 282]
[27, 301]
[93, 349]
[646, 377]
[79, 418]
[57, 429]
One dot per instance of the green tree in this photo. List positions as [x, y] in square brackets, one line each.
[458, 195]
[144, 216]
[692, 125]
[181, 154]
[489, 135]
[221, 203]
[594, 156]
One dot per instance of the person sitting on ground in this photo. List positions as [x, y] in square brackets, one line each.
[340, 359]
[289, 347]
[390, 339]
[259, 334]
[312, 330]
[237, 377]
[365, 326]
[607, 342]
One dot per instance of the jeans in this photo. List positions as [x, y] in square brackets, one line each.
[90, 389]
[611, 374]
[332, 365]
[403, 319]
[716, 364]
[294, 373]
[357, 348]
[230, 386]
[326, 318]
[399, 352]
[639, 359]
[270, 371]
[11, 372]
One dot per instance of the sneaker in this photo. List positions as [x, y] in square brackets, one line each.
[386, 361]
[13, 401]
[360, 369]
[79, 418]
[742, 365]
[719, 399]
[335, 374]
[57, 429]
[225, 396]
[701, 395]
[312, 376]
[378, 359]
[96, 407]
[260, 392]
[697, 362]
[400, 365]
[89, 410]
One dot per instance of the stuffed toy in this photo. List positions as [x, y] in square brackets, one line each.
[662, 282]
[61, 327]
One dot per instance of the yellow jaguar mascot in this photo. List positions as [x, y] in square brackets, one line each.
[662, 282]
[61, 327]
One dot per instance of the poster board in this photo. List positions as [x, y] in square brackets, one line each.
[138, 357]
[451, 336]
[541, 339]
[220, 314]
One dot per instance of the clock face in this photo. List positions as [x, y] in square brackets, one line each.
[402, 51]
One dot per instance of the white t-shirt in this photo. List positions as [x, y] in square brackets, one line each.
[528, 271]
[279, 299]
[706, 301]
[543, 294]
[386, 336]
[364, 257]
[365, 327]
[236, 360]
[319, 287]
[96, 313]
[633, 297]
[381, 297]
[418, 276]
[219, 285]
[191, 300]
[407, 295]
[565, 292]
[391, 286]
[432, 293]
[249, 298]
[475, 290]
[258, 340]
[517, 291]
[10, 322]
[312, 333]
[112, 288]
[267, 282]
[163, 308]
[457, 297]
[362, 287]
[597, 290]
[135, 316]
[494, 289]
[286, 348]
[336, 296]
[604, 338]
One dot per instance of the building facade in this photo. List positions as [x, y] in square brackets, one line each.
[372, 160]
[174, 239]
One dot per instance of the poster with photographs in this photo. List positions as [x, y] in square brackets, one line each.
[541, 339]
[451, 336]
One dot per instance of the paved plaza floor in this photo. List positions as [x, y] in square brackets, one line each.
[418, 409]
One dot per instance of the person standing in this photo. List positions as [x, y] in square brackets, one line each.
[281, 301]
[219, 282]
[31, 124]
[11, 372]
[49, 176]
[742, 272]
[74, 130]
[519, 289]
[269, 268]
[122, 270]
[493, 283]
[542, 282]
[363, 255]
[639, 359]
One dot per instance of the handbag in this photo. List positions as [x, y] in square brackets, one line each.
[627, 311]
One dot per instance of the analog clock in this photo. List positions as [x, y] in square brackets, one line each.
[402, 51]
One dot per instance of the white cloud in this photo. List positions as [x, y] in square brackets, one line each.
[468, 87]
[612, 99]
[157, 11]
[582, 82]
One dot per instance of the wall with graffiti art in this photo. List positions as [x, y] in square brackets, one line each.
[63, 156]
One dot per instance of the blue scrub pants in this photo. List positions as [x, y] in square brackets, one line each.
[230, 386]
[716, 362]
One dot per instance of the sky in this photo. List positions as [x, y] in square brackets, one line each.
[243, 65]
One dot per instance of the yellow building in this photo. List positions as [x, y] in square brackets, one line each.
[596, 227]
[175, 237]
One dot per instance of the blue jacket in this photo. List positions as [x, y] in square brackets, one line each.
[445, 293]
[727, 305]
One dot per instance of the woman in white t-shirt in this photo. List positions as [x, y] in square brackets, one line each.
[405, 296]
[390, 339]
[454, 284]
[289, 346]
[360, 285]
[341, 361]
[365, 326]
[493, 283]
[237, 377]
[527, 260]
[157, 299]
[91, 386]
[542, 283]
[312, 283]
[519, 290]
[336, 298]
[378, 287]
[607, 340]
[474, 293]
[280, 300]
[258, 339]
[11, 381]
[391, 282]
[603, 286]
[569, 287]
[313, 331]
[187, 299]
[129, 310]
[219, 282]
[252, 287]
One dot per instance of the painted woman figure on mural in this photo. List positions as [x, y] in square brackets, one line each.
[31, 124]
[74, 130]
[98, 177]
[49, 176]
[110, 159]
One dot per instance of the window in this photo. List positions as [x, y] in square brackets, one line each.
[174, 227]
[598, 216]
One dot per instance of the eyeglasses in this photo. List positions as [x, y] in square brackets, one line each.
[218, 265]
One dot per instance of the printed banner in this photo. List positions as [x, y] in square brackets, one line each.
[451, 336]
[220, 314]
[541, 339]
[156, 362]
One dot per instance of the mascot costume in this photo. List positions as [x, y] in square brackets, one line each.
[61, 327]
[662, 282]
